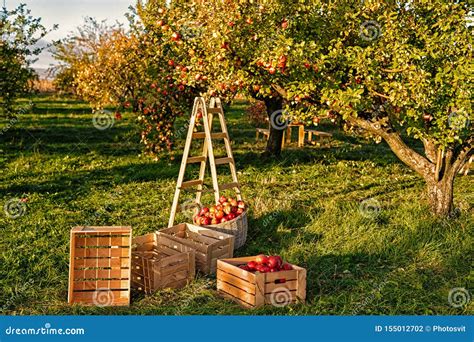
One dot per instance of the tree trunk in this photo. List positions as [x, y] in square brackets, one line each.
[438, 169]
[273, 148]
[440, 196]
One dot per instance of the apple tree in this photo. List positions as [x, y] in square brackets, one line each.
[19, 32]
[395, 70]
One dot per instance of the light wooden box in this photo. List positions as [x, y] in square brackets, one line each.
[159, 262]
[209, 245]
[252, 290]
[99, 266]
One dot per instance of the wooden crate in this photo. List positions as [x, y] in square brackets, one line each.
[99, 267]
[209, 245]
[159, 262]
[253, 290]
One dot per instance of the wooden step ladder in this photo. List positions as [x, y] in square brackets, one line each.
[215, 107]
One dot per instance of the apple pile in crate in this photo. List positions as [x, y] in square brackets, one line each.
[265, 264]
[226, 210]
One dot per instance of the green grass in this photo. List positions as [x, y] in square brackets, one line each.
[304, 206]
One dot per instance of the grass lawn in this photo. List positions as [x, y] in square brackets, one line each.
[305, 207]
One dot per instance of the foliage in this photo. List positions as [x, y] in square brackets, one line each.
[19, 32]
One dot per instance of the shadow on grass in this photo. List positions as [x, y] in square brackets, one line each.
[81, 182]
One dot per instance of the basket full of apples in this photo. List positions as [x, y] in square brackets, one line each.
[227, 216]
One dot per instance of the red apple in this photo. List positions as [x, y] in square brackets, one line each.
[215, 221]
[171, 63]
[241, 204]
[427, 117]
[272, 70]
[239, 211]
[279, 259]
[252, 265]
[224, 219]
[261, 259]
[231, 216]
[219, 214]
[244, 267]
[175, 36]
[274, 262]
[284, 24]
[233, 202]
[203, 211]
[222, 199]
[227, 209]
[287, 267]
[207, 221]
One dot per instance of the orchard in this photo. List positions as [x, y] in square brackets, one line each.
[369, 212]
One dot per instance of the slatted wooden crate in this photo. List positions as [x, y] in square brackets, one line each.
[208, 244]
[99, 267]
[159, 262]
[253, 290]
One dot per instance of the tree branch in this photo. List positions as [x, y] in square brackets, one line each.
[430, 149]
[462, 156]
[379, 94]
[411, 158]
[280, 90]
[392, 70]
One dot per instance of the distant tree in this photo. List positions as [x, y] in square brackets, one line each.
[19, 32]
[78, 50]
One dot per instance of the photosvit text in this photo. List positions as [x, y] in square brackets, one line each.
[419, 329]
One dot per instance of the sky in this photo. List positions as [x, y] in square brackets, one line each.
[69, 14]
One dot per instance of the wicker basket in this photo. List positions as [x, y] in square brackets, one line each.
[237, 227]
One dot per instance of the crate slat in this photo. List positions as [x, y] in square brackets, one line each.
[237, 282]
[236, 292]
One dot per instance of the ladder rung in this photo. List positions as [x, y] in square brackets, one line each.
[202, 135]
[214, 110]
[200, 190]
[229, 186]
[221, 161]
[219, 135]
[197, 159]
[191, 183]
